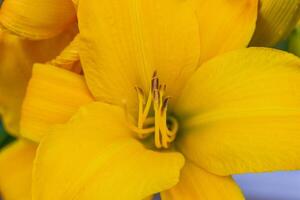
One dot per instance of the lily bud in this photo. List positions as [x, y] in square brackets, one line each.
[276, 20]
[294, 41]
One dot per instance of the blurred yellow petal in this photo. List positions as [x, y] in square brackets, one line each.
[69, 57]
[224, 25]
[276, 20]
[124, 42]
[16, 162]
[75, 2]
[53, 96]
[38, 19]
[94, 156]
[16, 59]
[197, 184]
[242, 113]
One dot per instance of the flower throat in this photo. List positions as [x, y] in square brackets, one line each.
[163, 127]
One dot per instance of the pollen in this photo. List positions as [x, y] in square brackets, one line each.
[161, 126]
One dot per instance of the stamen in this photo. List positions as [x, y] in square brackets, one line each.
[141, 98]
[149, 121]
[156, 99]
[157, 125]
[162, 90]
[147, 107]
[141, 133]
[174, 129]
[163, 125]
[168, 136]
[157, 138]
[155, 81]
[165, 104]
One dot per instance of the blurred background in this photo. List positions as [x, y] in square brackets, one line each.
[270, 186]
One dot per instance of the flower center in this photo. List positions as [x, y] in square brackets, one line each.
[163, 127]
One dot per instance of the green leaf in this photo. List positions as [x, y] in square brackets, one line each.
[5, 138]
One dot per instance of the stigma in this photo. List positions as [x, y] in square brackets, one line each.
[160, 125]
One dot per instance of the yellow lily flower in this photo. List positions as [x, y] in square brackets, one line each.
[237, 113]
[232, 19]
[276, 19]
[16, 60]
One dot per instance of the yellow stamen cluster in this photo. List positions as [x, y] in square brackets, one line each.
[163, 135]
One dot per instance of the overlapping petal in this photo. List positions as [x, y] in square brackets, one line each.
[16, 163]
[196, 183]
[124, 42]
[241, 113]
[94, 156]
[53, 96]
[16, 59]
[224, 25]
[276, 20]
[37, 19]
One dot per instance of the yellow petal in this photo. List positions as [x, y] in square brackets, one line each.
[16, 162]
[16, 59]
[196, 183]
[53, 96]
[38, 19]
[124, 42]
[275, 21]
[224, 25]
[94, 156]
[242, 113]
[69, 57]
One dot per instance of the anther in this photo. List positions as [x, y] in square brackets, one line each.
[163, 87]
[141, 94]
[156, 96]
[155, 82]
[139, 90]
[154, 74]
[165, 104]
